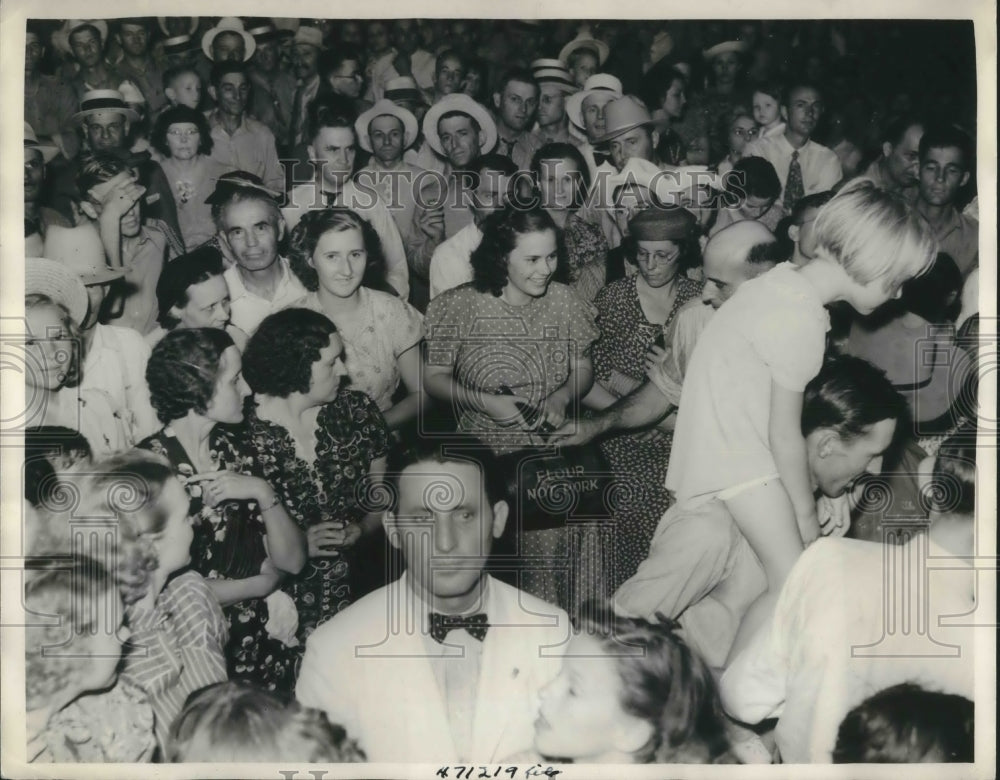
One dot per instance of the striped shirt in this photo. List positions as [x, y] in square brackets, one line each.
[176, 647]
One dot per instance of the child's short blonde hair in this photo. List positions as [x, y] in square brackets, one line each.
[874, 234]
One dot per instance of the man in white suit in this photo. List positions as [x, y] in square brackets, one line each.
[443, 665]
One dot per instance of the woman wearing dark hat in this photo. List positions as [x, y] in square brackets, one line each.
[184, 140]
[192, 293]
[632, 313]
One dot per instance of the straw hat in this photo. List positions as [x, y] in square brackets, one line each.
[233, 181]
[60, 38]
[465, 105]
[666, 184]
[585, 41]
[621, 116]
[228, 24]
[309, 36]
[381, 108]
[162, 21]
[97, 100]
[553, 72]
[598, 83]
[81, 251]
[265, 33]
[52, 279]
[403, 88]
[179, 44]
[740, 47]
[130, 92]
[31, 142]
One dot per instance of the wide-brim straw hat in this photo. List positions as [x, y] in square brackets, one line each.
[599, 82]
[403, 88]
[228, 24]
[98, 100]
[381, 108]
[265, 33]
[464, 105]
[31, 142]
[179, 44]
[740, 47]
[81, 251]
[192, 26]
[54, 280]
[585, 41]
[623, 115]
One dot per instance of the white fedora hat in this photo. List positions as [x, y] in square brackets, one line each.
[228, 24]
[382, 108]
[598, 83]
[31, 142]
[464, 105]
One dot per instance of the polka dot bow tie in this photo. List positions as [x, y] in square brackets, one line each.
[476, 625]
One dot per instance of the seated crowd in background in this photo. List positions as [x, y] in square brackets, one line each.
[310, 303]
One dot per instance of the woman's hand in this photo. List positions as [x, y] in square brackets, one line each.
[553, 410]
[654, 357]
[219, 486]
[328, 539]
[504, 409]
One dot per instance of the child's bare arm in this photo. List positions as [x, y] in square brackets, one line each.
[789, 450]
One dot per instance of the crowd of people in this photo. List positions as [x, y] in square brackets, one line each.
[465, 391]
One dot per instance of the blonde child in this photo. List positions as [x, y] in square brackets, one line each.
[738, 436]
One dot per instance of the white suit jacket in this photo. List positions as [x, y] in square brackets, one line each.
[368, 669]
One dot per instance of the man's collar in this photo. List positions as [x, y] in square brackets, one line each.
[215, 120]
[237, 288]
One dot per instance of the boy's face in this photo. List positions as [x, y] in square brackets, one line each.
[445, 527]
[942, 174]
[186, 90]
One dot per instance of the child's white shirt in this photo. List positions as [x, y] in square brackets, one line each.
[773, 329]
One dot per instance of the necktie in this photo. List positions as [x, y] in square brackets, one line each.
[794, 189]
[476, 625]
[601, 157]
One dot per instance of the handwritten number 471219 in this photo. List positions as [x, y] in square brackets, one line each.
[469, 772]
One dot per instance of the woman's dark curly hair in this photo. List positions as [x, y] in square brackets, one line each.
[181, 115]
[279, 357]
[501, 230]
[665, 683]
[183, 369]
[314, 225]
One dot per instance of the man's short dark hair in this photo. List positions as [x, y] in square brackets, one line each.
[946, 136]
[906, 724]
[765, 255]
[330, 111]
[849, 395]
[452, 114]
[449, 449]
[447, 54]
[330, 60]
[135, 21]
[897, 126]
[98, 168]
[86, 26]
[753, 177]
[518, 73]
[222, 69]
[786, 95]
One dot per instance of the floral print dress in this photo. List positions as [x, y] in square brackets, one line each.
[641, 461]
[229, 543]
[351, 433]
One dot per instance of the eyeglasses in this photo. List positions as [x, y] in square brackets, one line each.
[183, 133]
